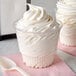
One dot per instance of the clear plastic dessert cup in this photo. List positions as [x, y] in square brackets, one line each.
[38, 48]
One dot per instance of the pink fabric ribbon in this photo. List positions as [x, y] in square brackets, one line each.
[68, 49]
[59, 68]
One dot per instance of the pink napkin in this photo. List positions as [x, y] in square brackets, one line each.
[68, 49]
[59, 68]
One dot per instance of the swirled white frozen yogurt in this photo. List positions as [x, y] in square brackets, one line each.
[71, 3]
[66, 12]
[35, 20]
[66, 16]
[37, 35]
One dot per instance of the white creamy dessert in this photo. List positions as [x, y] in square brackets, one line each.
[71, 3]
[37, 34]
[68, 35]
[66, 9]
[66, 17]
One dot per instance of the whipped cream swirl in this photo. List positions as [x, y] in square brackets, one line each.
[71, 3]
[66, 12]
[35, 20]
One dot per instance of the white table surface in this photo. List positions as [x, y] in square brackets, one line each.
[11, 47]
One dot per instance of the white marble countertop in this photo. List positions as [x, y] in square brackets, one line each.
[8, 47]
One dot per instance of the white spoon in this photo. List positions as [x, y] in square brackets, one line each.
[8, 64]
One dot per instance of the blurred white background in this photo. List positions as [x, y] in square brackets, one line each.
[10, 12]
